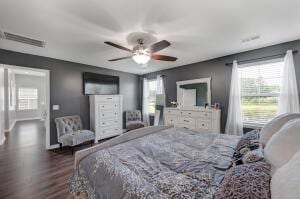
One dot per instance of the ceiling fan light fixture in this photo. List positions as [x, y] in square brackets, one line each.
[141, 58]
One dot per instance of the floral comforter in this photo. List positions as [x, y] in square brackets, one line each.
[171, 163]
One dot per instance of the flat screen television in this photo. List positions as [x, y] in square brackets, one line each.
[98, 84]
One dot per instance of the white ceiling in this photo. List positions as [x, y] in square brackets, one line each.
[198, 30]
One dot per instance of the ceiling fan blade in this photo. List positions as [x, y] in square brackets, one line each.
[117, 46]
[158, 46]
[121, 58]
[163, 58]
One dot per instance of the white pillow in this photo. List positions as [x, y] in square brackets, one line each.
[286, 181]
[274, 125]
[283, 145]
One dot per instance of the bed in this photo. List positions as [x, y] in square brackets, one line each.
[155, 162]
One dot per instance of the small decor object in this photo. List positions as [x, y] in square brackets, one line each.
[217, 105]
[206, 105]
[174, 104]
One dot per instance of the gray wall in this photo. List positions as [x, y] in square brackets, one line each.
[220, 74]
[66, 85]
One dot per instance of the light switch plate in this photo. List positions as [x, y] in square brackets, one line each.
[55, 107]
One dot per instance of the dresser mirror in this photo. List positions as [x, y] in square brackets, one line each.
[194, 93]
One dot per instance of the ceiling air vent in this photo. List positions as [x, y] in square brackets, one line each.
[25, 40]
[248, 39]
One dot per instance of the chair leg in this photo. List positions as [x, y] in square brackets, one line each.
[60, 146]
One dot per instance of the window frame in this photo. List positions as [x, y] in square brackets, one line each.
[252, 64]
[152, 80]
[28, 99]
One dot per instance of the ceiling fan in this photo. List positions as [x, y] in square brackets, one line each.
[141, 54]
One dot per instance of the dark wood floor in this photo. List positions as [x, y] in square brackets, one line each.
[27, 170]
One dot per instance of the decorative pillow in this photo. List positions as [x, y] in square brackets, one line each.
[275, 125]
[248, 142]
[253, 156]
[285, 182]
[283, 145]
[246, 181]
[135, 125]
[247, 138]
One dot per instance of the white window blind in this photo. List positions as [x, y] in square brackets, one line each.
[260, 85]
[27, 98]
[152, 86]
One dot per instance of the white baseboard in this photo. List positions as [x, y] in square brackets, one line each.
[30, 118]
[2, 141]
[54, 146]
[11, 127]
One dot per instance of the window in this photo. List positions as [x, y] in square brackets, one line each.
[28, 98]
[260, 85]
[152, 87]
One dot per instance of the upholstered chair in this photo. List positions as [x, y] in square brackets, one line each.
[134, 120]
[70, 132]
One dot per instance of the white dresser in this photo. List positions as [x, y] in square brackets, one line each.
[195, 119]
[106, 115]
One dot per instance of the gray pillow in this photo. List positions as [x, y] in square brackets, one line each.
[249, 181]
[134, 125]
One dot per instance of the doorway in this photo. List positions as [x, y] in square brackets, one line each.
[27, 102]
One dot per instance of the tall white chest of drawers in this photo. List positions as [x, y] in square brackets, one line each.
[195, 119]
[106, 116]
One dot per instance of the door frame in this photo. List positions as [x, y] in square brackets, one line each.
[47, 78]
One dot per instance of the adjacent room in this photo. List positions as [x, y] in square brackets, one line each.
[25, 98]
[149, 99]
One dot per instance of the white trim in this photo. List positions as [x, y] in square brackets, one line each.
[54, 146]
[47, 120]
[194, 81]
[11, 127]
[29, 118]
[3, 140]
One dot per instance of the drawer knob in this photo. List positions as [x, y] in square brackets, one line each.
[205, 114]
[102, 114]
[190, 113]
[202, 124]
[102, 106]
[185, 120]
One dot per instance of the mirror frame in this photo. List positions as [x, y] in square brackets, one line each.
[193, 81]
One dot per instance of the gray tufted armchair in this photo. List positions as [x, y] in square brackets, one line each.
[70, 133]
[134, 120]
